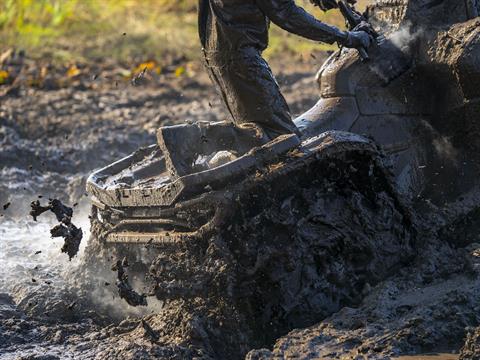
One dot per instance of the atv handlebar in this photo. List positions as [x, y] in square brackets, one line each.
[357, 22]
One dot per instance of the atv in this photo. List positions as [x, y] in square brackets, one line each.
[417, 99]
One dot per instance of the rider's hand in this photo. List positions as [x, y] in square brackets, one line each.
[358, 39]
[325, 4]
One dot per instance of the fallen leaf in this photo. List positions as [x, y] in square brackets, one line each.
[124, 73]
[73, 71]
[179, 71]
[143, 67]
[3, 76]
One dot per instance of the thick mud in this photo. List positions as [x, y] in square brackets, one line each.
[323, 262]
[291, 247]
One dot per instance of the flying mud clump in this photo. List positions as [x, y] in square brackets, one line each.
[66, 229]
[125, 290]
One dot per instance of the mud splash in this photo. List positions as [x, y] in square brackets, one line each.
[125, 290]
[240, 288]
[40, 304]
[71, 234]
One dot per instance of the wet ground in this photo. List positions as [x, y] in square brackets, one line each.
[52, 308]
[51, 139]
[429, 357]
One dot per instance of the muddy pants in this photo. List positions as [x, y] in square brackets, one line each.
[250, 91]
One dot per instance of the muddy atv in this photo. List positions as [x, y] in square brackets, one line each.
[416, 100]
[291, 230]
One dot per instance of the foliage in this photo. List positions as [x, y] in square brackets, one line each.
[125, 30]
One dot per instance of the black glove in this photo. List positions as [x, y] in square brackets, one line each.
[325, 4]
[357, 40]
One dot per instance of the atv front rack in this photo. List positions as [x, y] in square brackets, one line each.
[192, 218]
[142, 179]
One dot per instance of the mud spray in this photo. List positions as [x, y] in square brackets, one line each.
[45, 299]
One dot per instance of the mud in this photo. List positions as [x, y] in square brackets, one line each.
[471, 349]
[125, 290]
[408, 314]
[377, 287]
[224, 296]
[71, 234]
[380, 285]
[60, 210]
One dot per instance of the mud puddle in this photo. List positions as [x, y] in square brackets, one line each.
[48, 309]
[27, 253]
[38, 299]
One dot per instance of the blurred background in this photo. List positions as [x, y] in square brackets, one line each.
[133, 34]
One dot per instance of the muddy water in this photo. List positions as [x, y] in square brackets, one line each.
[46, 306]
[35, 287]
[28, 252]
[18, 254]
